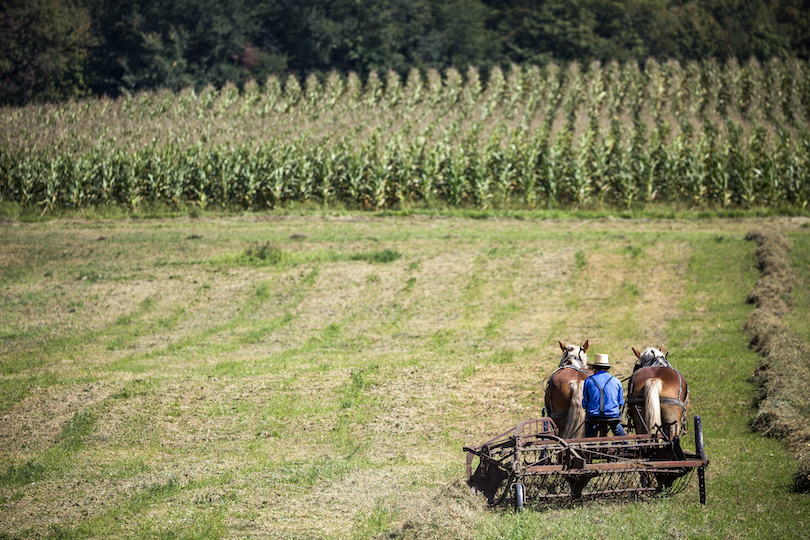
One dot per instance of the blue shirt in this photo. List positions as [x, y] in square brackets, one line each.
[612, 391]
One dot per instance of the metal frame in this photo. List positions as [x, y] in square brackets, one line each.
[531, 463]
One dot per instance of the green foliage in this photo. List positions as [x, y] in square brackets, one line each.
[58, 49]
[634, 251]
[155, 492]
[358, 383]
[376, 524]
[44, 50]
[580, 260]
[23, 474]
[79, 426]
[312, 473]
[385, 256]
[266, 253]
[551, 137]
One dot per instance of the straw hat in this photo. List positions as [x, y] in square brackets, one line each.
[601, 362]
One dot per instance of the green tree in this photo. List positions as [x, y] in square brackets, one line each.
[44, 47]
[364, 35]
[794, 17]
[150, 43]
[729, 28]
[538, 32]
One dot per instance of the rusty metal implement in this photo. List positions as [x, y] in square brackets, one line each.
[531, 463]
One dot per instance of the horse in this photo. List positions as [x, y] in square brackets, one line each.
[563, 397]
[657, 394]
[651, 357]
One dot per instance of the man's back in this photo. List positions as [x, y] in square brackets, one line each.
[602, 395]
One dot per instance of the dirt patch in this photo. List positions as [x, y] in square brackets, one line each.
[783, 375]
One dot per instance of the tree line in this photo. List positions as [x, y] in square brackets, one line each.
[61, 49]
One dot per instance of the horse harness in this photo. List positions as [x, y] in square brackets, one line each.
[567, 362]
[562, 414]
[639, 401]
[657, 361]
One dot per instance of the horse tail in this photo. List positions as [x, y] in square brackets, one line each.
[575, 419]
[652, 403]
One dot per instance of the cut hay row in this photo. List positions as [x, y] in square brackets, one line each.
[784, 371]
[704, 134]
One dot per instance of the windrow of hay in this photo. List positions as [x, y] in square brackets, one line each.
[783, 375]
[453, 513]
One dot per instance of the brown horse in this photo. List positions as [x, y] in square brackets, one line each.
[564, 391]
[658, 396]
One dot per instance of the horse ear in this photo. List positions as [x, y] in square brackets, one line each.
[585, 346]
[661, 348]
[638, 354]
[562, 345]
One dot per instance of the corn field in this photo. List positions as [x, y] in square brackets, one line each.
[701, 134]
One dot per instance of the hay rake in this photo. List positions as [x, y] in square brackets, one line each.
[531, 463]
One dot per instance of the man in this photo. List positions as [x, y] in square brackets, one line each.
[602, 398]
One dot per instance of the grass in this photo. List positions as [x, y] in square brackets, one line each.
[385, 256]
[638, 210]
[21, 475]
[203, 392]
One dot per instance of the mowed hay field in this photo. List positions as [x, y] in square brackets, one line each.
[316, 376]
